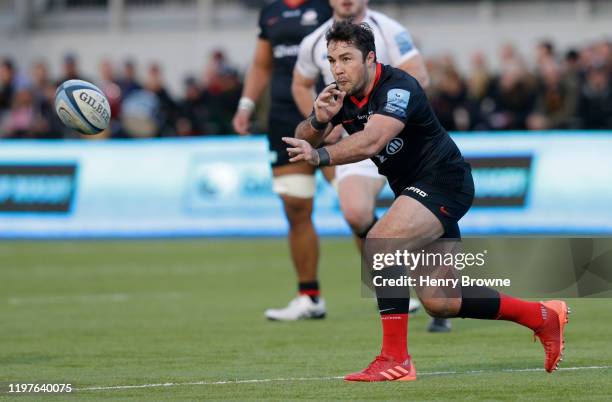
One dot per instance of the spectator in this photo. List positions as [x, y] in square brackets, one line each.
[222, 96]
[451, 102]
[70, 69]
[595, 103]
[480, 78]
[545, 53]
[216, 62]
[110, 88]
[129, 82]
[192, 111]
[167, 107]
[511, 95]
[19, 121]
[140, 115]
[511, 61]
[7, 84]
[572, 71]
[555, 103]
[48, 125]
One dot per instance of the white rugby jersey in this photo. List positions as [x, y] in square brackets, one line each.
[393, 46]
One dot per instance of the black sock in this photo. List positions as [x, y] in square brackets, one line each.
[392, 300]
[393, 306]
[479, 302]
[311, 289]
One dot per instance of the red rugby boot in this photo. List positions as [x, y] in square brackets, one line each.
[385, 369]
[555, 313]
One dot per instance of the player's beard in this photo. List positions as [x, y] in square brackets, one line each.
[360, 87]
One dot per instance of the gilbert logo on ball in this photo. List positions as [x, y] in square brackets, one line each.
[81, 106]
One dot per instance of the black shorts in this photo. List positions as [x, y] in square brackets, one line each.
[282, 122]
[447, 198]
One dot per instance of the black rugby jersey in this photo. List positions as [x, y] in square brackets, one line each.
[285, 27]
[423, 150]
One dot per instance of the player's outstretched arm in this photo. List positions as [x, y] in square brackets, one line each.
[357, 147]
[365, 144]
[256, 81]
[302, 89]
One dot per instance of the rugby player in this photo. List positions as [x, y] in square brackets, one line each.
[359, 183]
[389, 119]
[282, 26]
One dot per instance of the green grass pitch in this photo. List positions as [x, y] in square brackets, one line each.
[189, 313]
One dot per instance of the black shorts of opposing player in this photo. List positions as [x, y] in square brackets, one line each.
[282, 122]
[285, 26]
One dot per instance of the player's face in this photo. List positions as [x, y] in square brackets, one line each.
[345, 9]
[349, 69]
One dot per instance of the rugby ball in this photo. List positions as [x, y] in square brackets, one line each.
[81, 106]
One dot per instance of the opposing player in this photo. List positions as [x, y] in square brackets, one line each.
[283, 24]
[389, 119]
[359, 183]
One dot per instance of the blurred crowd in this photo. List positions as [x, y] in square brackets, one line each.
[569, 90]
[141, 106]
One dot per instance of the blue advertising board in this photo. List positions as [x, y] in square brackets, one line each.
[526, 183]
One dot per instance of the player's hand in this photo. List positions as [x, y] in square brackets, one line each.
[328, 103]
[242, 122]
[301, 151]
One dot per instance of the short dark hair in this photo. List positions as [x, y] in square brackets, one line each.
[358, 35]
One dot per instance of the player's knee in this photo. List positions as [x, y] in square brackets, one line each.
[297, 210]
[358, 217]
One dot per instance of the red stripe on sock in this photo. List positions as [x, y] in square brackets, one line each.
[395, 336]
[310, 292]
[520, 311]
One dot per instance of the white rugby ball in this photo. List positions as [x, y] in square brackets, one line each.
[81, 106]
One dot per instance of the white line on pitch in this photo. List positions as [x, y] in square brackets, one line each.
[264, 380]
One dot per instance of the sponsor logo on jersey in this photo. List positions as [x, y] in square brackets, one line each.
[394, 146]
[281, 51]
[397, 102]
[292, 13]
[310, 17]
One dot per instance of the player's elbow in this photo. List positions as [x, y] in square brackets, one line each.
[297, 90]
